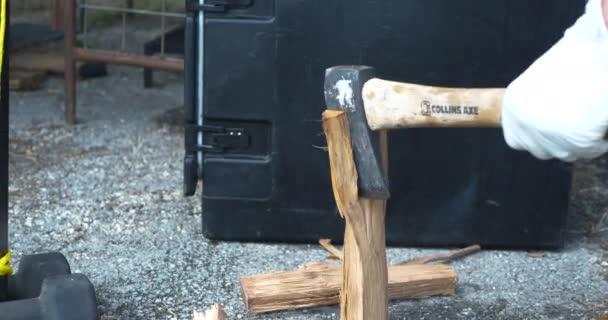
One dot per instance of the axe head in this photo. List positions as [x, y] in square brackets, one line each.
[343, 91]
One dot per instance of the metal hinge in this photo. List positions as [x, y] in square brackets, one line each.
[218, 6]
[218, 139]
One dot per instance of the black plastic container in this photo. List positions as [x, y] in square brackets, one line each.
[259, 65]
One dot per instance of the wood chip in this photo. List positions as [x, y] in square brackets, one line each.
[214, 313]
[536, 254]
[335, 253]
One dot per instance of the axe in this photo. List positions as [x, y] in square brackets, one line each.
[374, 105]
[368, 107]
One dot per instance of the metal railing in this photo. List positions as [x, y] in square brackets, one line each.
[68, 13]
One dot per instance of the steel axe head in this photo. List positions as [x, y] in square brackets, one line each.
[343, 91]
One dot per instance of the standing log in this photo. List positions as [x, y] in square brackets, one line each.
[364, 287]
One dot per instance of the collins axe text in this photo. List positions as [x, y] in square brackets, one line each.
[428, 109]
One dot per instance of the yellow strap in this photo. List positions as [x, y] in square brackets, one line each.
[2, 32]
[5, 262]
[5, 265]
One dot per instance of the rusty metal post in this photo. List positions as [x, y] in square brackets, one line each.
[56, 11]
[69, 28]
[120, 58]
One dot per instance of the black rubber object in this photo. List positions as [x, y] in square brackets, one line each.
[62, 297]
[174, 44]
[264, 71]
[26, 35]
[45, 289]
[33, 269]
[92, 70]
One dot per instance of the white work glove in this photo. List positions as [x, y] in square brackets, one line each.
[558, 108]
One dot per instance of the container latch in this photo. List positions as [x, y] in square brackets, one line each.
[218, 139]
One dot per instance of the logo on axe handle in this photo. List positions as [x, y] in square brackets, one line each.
[428, 109]
[425, 108]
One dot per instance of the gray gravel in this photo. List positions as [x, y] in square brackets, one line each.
[107, 194]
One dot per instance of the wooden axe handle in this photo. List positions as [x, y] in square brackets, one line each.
[393, 105]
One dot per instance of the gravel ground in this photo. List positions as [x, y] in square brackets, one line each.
[107, 194]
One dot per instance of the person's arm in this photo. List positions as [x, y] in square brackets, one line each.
[558, 108]
[605, 6]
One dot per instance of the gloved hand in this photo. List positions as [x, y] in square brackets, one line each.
[558, 108]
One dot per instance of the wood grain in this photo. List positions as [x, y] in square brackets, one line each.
[393, 105]
[318, 284]
[365, 276]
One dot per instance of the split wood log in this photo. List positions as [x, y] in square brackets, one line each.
[364, 287]
[318, 284]
[335, 253]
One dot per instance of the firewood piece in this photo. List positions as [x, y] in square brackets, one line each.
[336, 254]
[214, 313]
[445, 258]
[364, 287]
[318, 284]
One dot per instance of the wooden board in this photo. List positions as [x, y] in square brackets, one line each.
[51, 62]
[319, 284]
